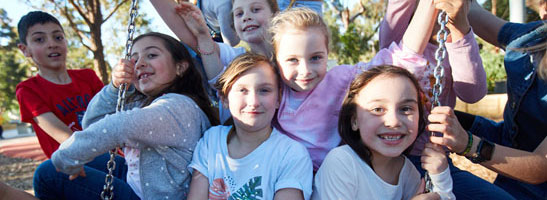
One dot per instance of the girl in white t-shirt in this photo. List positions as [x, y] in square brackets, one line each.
[379, 121]
[251, 159]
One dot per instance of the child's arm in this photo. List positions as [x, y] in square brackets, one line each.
[53, 126]
[207, 48]
[395, 22]
[485, 24]
[166, 10]
[171, 120]
[105, 101]
[435, 162]
[199, 186]
[34, 108]
[288, 193]
[469, 77]
[419, 30]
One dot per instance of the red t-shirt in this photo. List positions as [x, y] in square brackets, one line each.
[68, 102]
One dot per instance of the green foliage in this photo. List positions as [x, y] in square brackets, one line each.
[358, 42]
[13, 67]
[492, 60]
[250, 190]
[502, 10]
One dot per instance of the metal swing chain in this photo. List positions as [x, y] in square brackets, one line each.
[438, 73]
[108, 189]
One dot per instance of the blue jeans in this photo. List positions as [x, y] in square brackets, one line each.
[467, 185]
[50, 184]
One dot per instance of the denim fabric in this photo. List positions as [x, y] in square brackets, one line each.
[525, 116]
[467, 185]
[50, 184]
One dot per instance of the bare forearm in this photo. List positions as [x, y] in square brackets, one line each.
[166, 9]
[484, 23]
[521, 165]
[53, 126]
[419, 30]
[210, 56]
[529, 167]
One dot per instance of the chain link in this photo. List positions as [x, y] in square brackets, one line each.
[438, 73]
[108, 189]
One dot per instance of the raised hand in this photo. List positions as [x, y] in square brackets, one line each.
[124, 72]
[193, 18]
[457, 12]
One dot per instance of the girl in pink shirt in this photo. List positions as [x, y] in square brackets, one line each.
[312, 97]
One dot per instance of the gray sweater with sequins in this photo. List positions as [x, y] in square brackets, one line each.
[165, 132]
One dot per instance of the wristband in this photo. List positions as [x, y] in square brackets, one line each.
[469, 144]
[206, 52]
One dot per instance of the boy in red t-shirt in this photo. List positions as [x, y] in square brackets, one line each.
[53, 101]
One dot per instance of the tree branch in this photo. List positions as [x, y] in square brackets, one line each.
[114, 10]
[82, 14]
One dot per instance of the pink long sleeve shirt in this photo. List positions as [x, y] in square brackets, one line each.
[314, 122]
[464, 78]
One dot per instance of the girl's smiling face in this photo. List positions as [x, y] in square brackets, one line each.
[387, 115]
[302, 58]
[251, 19]
[155, 68]
[254, 97]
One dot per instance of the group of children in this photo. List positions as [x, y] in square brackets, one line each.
[290, 128]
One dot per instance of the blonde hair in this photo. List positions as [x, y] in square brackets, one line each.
[299, 18]
[238, 66]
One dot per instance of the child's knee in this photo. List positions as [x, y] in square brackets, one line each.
[43, 170]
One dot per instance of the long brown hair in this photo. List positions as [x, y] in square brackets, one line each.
[353, 138]
[189, 83]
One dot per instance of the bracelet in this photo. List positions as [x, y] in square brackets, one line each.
[206, 52]
[469, 144]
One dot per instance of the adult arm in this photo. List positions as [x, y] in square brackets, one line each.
[485, 24]
[529, 167]
[396, 20]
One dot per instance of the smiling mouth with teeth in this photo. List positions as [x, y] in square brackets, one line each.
[54, 55]
[250, 28]
[142, 76]
[390, 137]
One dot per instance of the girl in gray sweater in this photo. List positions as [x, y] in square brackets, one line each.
[168, 112]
